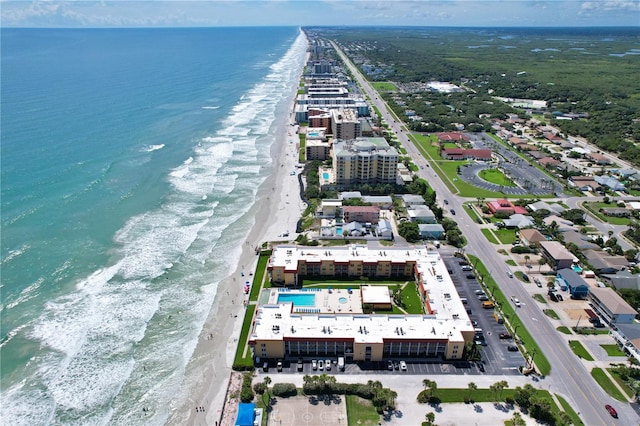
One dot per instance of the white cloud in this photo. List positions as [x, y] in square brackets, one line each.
[610, 6]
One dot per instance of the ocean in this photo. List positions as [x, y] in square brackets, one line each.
[130, 160]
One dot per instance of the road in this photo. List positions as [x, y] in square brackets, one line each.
[568, 376]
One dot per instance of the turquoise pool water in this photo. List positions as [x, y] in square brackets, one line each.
[576, 268]
[313, 134]
[298, 299]
[325, 176]
[338, 231]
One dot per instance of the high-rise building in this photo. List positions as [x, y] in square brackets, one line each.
[364, 161]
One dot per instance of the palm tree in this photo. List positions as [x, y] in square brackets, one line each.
[471, 386]
[267, 382]
[502, 386]
[541, 261]
[526, 259]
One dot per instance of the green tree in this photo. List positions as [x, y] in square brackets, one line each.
[409, 231]
[430, 417]
[517, 420]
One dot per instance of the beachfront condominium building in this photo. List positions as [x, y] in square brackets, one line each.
[345, 124]
[364, 161]
[282, 330]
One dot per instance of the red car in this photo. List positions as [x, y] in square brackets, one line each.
[611, 411]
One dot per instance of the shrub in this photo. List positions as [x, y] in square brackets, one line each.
[246, 393]
[284, 390]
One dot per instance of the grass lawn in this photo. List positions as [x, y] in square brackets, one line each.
[563, 329]
[570, 411]
[580, 350]
[625, 387]
[594, 207]
[471, 212]
[540, 298]
[551, 314]
[511, 262]
[508, 311]
[411, 300]
[240, 358]
[506, 236]
[496, 176]
[489, 236]
[384, 86]
[360, 411]
[613, 350]
[606, 384]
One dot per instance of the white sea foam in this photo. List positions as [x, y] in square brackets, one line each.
[15, 253]
[26, 294]
[210, 107]
[151, 148]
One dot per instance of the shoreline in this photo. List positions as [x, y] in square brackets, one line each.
[277, 209]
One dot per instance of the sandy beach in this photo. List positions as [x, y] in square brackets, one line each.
[276, 212]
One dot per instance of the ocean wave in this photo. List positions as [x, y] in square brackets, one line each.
[210, 107]
[26, 294]
[151, 148]
[15, 253]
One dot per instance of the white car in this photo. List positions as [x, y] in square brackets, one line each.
[515, 301]
[403, 366]
[327, 365]
[320, 365]
[314, 364]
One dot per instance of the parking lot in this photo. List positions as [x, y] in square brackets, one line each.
[495, 355]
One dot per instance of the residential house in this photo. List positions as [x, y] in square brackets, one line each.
[611, 306]
[329, 208]
[599, 159]
[604, 263]
[584, 183]
[421, 214]
[557, 256]
[431, 231]
[505, 207]
[610, 182]
[577, 286]
[615, 211]
[412, 199]
[530, 236]
[548, 162]
[466, 154]
[519, 221]
[384, 229]
[362, 214]
[562, 224]
[623, 279]
[581, 241]
[543, 205]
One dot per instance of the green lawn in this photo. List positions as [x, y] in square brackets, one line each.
[384, 86]
[496, 176]
[489, 236]
[471, 212]
[594, 207]
[506, 236]
[563, 329]
[540, 298]
[606, 384]
[360, 411]
[242, 359]
[551, 314]
[625, 387]
[570, 411]
[580, 350]
[508, 311]
[511, 262]
[613, 350]
[411, 299]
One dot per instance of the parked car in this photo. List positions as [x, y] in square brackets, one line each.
[320, 365]
[390, 365]
[467, 268]
[403, 366]
[611, 411]
[512, 348]
[265, 366]
[481, 367]
[525, 277]
[279, 365]
[481, 342]
[471, 277]
[479, 292]
[483, 298]
[327, 364]
[505, 336]
[538, 282]
[300, 364]
[314, 364]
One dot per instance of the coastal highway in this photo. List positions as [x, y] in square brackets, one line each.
[568, 377]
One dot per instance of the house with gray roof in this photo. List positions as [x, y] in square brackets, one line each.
[577, 286]
[604, 263]
[431, 231]
[623, 279]
[610, 182]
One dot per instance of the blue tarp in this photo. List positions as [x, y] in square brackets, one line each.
[245, 414]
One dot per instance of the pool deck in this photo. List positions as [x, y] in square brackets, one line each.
[327, 301]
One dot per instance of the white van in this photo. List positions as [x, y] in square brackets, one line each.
[509, 273]
[341, 363]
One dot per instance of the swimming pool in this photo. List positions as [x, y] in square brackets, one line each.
[325, 176]
[338, 231]
[313, 134]
[298, 299]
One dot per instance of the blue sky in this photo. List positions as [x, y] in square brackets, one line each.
[155, 13]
